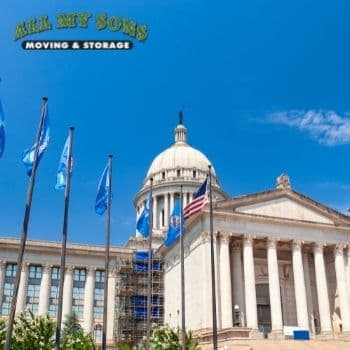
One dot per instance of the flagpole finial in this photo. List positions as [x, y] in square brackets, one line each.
[110, 156]
[45, 98]
[71, 128]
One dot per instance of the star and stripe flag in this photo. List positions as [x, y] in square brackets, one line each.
[200, 199]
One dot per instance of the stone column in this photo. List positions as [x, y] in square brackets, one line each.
[172, 199]
[166, 210]
[45, 290]
[183, 200]
[274, 289]
[225, 282]
[299, 286]
[237, 279]
[249, 281]
[206, 278]
[322, 290]
[217, 278]
[155, 212]
[22, 291]
[112, 281]
[2, 279]
[344, 299]
[89, 297]
[348, 268]
[67, 292]
[310, 306]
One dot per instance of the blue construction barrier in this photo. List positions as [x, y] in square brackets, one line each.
[301, 335]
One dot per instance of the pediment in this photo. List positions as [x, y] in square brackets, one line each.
[284, 204]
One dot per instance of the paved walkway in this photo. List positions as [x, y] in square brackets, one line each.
[288, 345]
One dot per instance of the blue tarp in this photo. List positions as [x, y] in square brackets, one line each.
[140, 300]
[141, 312]
[141, 262]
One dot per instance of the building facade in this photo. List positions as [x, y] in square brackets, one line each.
[282, 262]
[83, 283]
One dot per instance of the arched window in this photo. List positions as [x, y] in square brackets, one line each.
[194, 173]
[178, 172]
[98, 333]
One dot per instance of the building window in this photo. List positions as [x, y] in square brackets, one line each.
[53, 307]
[100, 276]
[98, 333]
[78, 292]
[33, 289]
[54, 291]
[33, 295]
[11, 270]
[99, 294]
[163, 175]
[10, 274]
[80, 275]
[55, 274]
[194, 174]
[163, 217]
[178, 172]
[6, 299]
[35, 272]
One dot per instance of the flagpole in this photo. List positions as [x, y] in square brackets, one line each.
[182, 261]
[64, 241]
[107, 248]
[25, 228]
[213, 290]
[149, 276]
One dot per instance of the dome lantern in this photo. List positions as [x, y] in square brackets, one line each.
[180, 130]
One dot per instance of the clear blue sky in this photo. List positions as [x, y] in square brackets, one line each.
[265, 86]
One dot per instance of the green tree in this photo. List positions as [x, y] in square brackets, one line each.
[166, 338]
[73, 337]
[2, 333]
[33, 332]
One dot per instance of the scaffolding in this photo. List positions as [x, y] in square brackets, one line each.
[131, 296]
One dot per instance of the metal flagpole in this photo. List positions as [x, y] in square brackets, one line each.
[182, 261]
[25, 228]
[107, 243]
[212, 258]
[64, 241]
[149, 276]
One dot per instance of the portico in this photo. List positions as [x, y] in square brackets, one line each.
[282, 260]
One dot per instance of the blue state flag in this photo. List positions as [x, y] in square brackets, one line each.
[2, 131]
[61, 181]
[174, 230]
[102, 192]
[28, 154]
[143, 222]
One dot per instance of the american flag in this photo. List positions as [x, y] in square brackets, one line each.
[198, 202]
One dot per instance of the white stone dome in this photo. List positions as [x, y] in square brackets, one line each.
[180, 161]
[182, 156]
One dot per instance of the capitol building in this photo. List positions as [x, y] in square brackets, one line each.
[282, 262]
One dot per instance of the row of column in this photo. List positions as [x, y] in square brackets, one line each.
[45, 291]
[168, 200]
[302, 289]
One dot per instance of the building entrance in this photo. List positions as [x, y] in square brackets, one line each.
[264, 309]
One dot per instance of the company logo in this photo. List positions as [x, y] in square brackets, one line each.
[81, 20]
